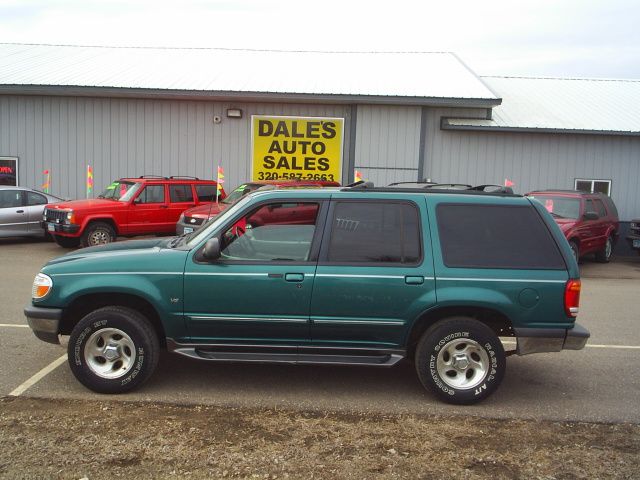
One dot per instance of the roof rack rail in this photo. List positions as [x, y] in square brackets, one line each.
[154, 176]
[361, 185]
[491, 188]
[183, 176]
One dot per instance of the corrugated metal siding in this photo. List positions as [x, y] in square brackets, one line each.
[539, 161]
[122, 138]
[388, 143]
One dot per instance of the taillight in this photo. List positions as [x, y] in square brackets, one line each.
[572, 297]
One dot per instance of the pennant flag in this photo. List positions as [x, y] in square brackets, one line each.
[357, 177]
[47, 181]
[219, 181]
[89, 181]
[508, 183]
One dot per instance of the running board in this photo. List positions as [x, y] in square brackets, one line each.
[384, 360]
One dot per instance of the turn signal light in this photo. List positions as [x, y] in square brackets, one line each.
[41, 286]
[572, 297]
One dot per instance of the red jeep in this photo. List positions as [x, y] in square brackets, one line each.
[193, 218]
[588, 220]
[128, 207]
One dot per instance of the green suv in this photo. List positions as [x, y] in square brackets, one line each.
[370, 277]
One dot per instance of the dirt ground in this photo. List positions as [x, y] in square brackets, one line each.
[66, 439]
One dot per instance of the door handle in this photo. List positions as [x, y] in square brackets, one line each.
[294, 277]
[414, 280]
[19, 211]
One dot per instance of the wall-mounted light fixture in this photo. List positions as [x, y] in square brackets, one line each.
[234, 113]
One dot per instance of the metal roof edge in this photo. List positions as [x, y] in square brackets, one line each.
[478, 77]
[445, 125]
[118, 92]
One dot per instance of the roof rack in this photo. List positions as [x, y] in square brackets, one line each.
[183, 176]
[154, 176]
[497, 190]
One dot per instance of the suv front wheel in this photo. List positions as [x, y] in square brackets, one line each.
[604, 255]
[460, 360]
[113, 350]
[98, 233]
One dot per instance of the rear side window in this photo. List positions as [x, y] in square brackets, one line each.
[206, 193]
[494, 236]
[36, 199]
[374, 232]
[180, 193]
[600, 208]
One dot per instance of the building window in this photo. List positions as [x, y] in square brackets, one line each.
[593, 186]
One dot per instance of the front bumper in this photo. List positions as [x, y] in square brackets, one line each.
[45, 322]
[60, 228]
[190, 227]
[539, 340]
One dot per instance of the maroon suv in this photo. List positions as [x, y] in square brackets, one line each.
[193, 218]
[588, 220]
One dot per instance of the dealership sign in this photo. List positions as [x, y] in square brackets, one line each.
[305, 148]
[8, 171]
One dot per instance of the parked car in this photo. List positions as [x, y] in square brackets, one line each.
[21, 211]
[194, 218]
[128, 207]
[372, 276]
[589, 221]
[633, 237]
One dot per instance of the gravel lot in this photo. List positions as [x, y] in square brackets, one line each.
[74, 439]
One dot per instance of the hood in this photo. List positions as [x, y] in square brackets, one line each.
[206, 211]
[90, 204]
[565, 223]
[130, 246]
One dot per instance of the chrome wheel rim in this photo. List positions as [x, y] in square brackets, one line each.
[607, 248]
[462, 364]
[99, 237]
[109, 353]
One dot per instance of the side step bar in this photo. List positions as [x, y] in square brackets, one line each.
[383, 360]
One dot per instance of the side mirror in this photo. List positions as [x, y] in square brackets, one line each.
[211, 249]
[137, 201]
[590, 216]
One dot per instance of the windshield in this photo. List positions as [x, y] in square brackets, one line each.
[119, 190]
[240, 192]
[560, 207]
[196, 237]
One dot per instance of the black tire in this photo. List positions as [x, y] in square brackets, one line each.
[604, 255]
[575, 250]
[125, 331]
[98, 233]
[475, 342]
[66, 242]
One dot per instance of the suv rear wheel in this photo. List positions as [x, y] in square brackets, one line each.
[604, 255]
[98, 233]
[113, 350]
[460, 360]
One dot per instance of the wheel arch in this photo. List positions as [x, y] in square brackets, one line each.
[108, 220]
[494, 319]
[85, 304]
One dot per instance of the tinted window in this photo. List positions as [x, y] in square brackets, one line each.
[36, 199]
[10, 198]
[600, 208]
[152, 194]
[489, 236]
[274, 232]
[372, 232]
[180, 193]
[589, 207]
[206, 193]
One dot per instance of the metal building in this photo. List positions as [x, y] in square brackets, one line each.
[406, 116]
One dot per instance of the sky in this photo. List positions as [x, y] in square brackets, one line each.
[559, 38]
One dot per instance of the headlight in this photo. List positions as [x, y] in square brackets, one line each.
[41, 286]
[70, 217]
